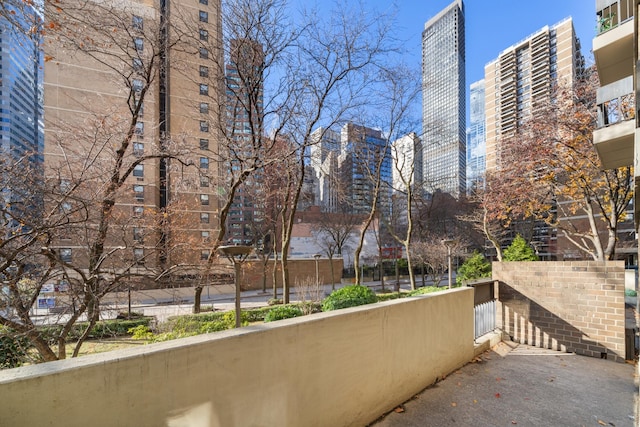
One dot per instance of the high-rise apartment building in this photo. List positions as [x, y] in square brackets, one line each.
[113, 64]
[518, 82]
[244, 110]
[476, 147]
[443, 101]
[344, 164]
[522, 78]
[404, 160]
[324, 154]
[362, 149]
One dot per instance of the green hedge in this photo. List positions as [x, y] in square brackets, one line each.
[283, 312]
[349, 296]
[102, 329]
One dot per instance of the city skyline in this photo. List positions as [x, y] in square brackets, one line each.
[491, 26]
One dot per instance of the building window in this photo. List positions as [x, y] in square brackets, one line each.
[138, 170]
[204, 53]
[204, 35]
[137, 85]
[204, 144]
[138, 192]
[66, 254]
[204, 126]
[204, 16]
[141, 109]
[204, 255]
[205, 236]
[138, 43]
[204, 218]
[204, 199]
[138, 211]
[204, 2]
[204, 108]
[138, 234]
[204, 163]
[204, 71]
[204, 89]
[65, 186]
[137, 64]
[65, 207]
[204, 181]
[140, 128]
[138, 255]
[138, 149]
[137, 22]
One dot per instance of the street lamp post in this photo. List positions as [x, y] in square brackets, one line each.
[317, 257]
[449, 243]
[237, 255]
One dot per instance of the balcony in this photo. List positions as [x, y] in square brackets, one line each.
[614, 138]
[613, 51]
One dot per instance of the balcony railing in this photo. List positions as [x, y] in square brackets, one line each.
[616, 103]
[612, 14]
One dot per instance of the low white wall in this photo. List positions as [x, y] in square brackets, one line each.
[339, 368]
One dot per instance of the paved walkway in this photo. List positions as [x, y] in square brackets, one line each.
[525, 386]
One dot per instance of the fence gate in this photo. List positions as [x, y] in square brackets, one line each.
[485, 318]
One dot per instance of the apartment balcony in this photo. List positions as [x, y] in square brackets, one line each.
[613, 46]
[347, 367]
[614, 137]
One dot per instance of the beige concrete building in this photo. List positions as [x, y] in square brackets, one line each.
[522, 76]
[615, 49]
[131, 95]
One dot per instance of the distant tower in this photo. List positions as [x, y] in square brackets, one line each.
[21, 84]
[443, 101]
[476, 147]
[245, 118]
[361, 150]
[405, 163]
[521, 79]
[324, 162]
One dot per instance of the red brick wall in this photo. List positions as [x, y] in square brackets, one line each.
[568, 306]
[300, 270]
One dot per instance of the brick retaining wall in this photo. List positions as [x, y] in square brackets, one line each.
[568, 306]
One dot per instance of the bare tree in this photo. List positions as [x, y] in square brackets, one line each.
[332, 233]
[402, 90]
[329, 76]
[83, 239]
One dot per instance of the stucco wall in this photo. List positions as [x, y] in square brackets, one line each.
[340, 368]
[569, 306]
[301, 271]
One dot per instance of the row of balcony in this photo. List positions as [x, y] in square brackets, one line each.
[613, 50]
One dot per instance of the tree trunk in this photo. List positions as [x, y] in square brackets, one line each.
[197, 298]
[274, 276]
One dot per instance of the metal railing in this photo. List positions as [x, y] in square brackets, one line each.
[485, 318]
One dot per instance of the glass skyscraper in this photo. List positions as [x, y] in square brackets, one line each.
[443, 101]
[476, 147]
[21, 105]
[21, 64]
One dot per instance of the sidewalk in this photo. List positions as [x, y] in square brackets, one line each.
[525, 386]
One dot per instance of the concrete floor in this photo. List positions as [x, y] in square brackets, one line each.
[525, 386]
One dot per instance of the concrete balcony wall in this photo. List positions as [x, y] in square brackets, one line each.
[339, 368]
[615, 144]
[613, 53]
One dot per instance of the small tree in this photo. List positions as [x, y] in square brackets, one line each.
[519, 250]
[475, 267]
